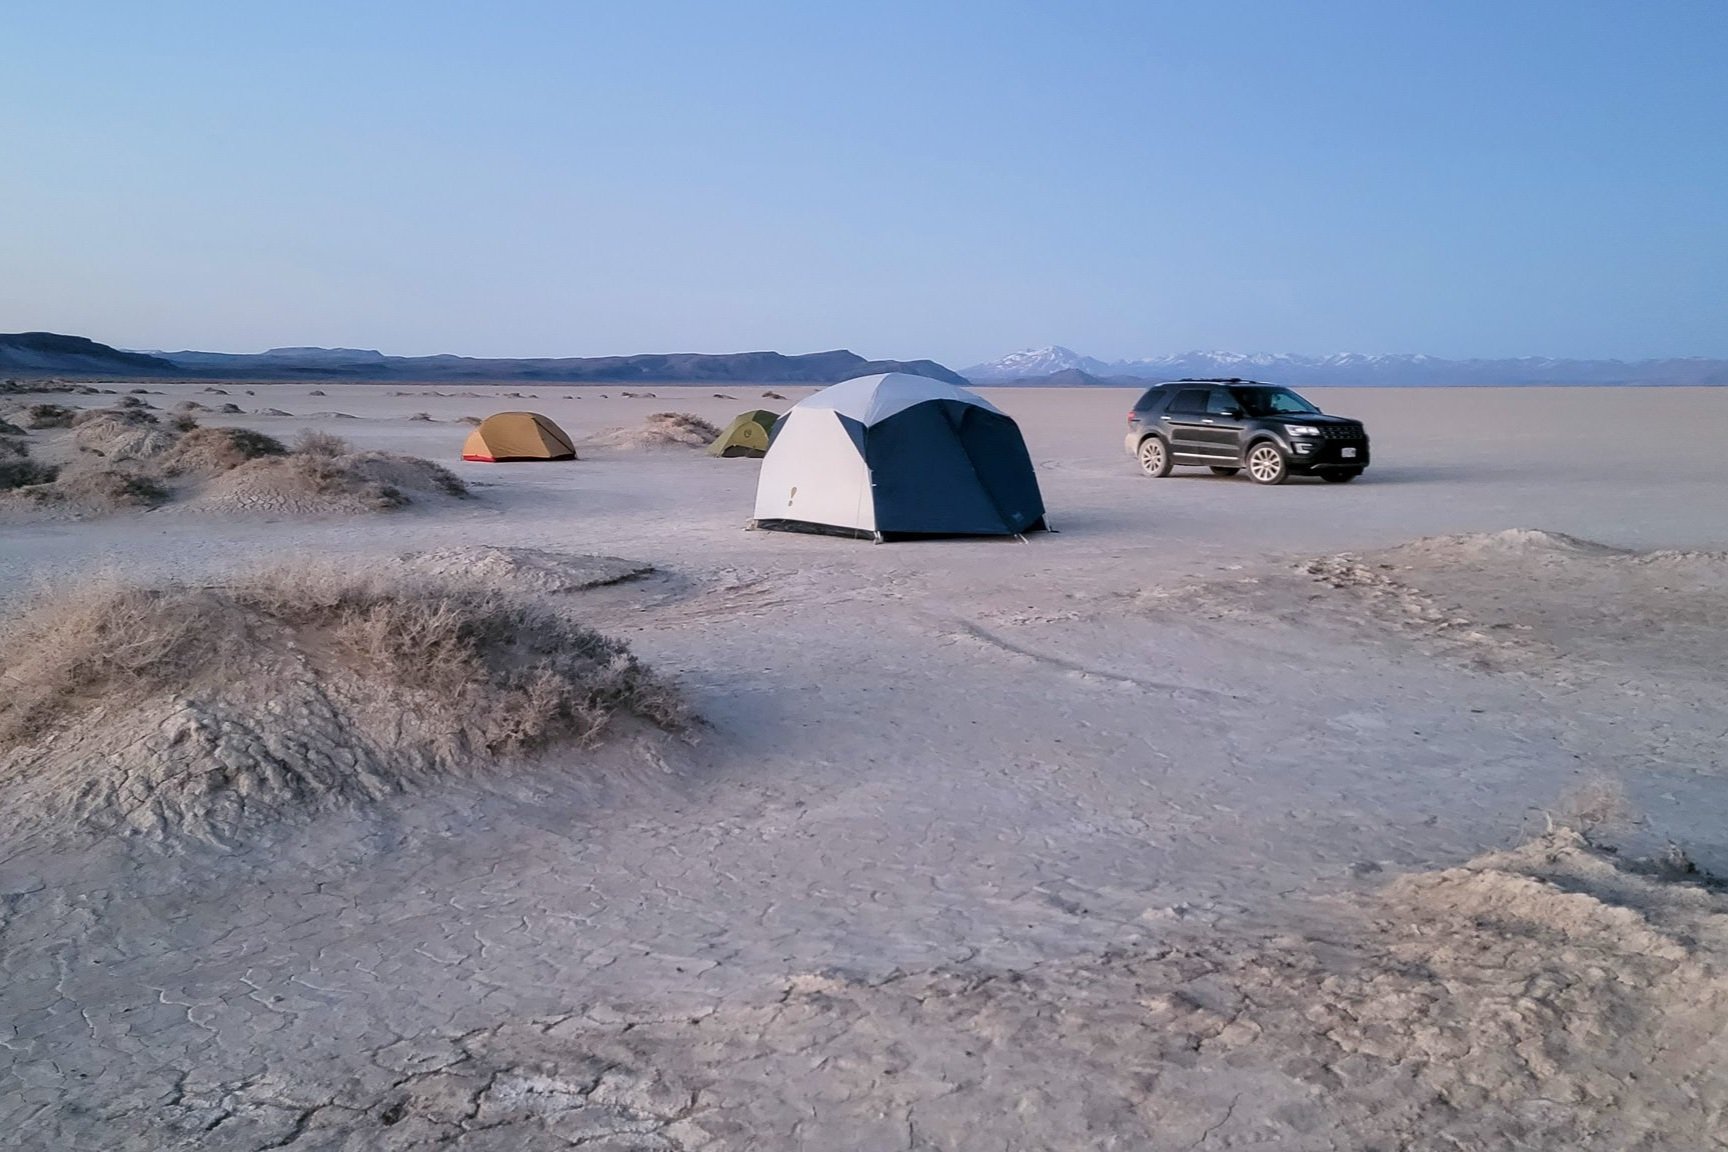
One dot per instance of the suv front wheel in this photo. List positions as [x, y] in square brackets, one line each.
[1266, 464]
[1154, 457]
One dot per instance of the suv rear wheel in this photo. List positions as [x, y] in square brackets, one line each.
[1154, 457]
[1266, 464]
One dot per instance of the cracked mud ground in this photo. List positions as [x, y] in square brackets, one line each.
[1059, 847]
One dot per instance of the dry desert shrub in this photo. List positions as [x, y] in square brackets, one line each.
[21, 472]
[183, 422]
[206, 451]
[316, 392]
[49, 416]
[312, 442]
[11, 448]
[421, 416]
[468, 420]
[198, 710]
[1595, 809]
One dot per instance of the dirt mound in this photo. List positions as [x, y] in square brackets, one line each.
[81, 491]
[303, 484]
[7, 428]
[202, 711]
[662, 430]
[127, 434]
[531, 570]
[1524, 601]
[209, 451]
[48, 416]
[1508, 542]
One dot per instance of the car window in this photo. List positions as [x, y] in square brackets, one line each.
[1272, 402]
[1220, 403]
[1152, 400]
[1189, 400]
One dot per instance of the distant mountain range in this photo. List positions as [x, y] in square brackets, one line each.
[49, 353]
[40, 353]
[1061, 367]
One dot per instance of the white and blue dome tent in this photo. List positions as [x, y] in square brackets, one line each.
[896, 455]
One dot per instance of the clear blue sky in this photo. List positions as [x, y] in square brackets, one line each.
[954, 180]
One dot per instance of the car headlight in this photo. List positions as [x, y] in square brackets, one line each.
[1301, 430]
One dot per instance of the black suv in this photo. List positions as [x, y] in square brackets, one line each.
[1229, 425]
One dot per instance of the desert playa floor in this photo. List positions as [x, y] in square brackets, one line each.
[1223, 816]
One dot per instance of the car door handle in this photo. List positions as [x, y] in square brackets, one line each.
[1208, 421]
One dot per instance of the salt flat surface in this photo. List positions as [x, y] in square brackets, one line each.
[1184, 716]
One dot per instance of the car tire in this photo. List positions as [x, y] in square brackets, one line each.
[1154, 457]
[1217, 471]
[1340, 475]
[1267, 463]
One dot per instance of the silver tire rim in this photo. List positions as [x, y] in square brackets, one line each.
[1151, 457]
[1264, 464]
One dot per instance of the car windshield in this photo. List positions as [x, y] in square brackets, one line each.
[1272, 402]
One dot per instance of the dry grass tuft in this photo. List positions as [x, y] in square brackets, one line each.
[184, 709]
[312, 442]
[1595, 809]
[207, 451]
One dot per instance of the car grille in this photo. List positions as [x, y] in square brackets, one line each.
[1342, 432]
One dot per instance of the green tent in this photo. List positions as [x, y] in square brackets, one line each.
[747, 435]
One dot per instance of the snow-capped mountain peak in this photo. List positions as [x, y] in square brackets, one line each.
[1034, 362]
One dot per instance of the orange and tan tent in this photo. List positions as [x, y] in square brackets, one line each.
[517, 436]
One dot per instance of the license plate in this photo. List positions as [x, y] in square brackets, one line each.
[1349, 453]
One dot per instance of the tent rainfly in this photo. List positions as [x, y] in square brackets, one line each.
[747, 435]
[898, 455]
[517, 436]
